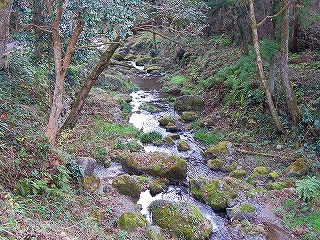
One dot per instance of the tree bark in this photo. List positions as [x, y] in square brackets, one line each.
[61, 64]
[295, 28]
[5, 12]
[92, 78]
[290, 96]
[260, 69]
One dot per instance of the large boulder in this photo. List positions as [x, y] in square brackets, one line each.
[297, 168]
[189, 116]
[129, 221]
[155, 164]
[182, 219]
[122, 96]
[127, 185]
[189, 103]
[214, 192]
[223, 147]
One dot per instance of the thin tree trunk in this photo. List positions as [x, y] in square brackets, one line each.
[295, 28]
[61, 65]
[260, 68]
[5, 11]
[92, 78]
[290, 96]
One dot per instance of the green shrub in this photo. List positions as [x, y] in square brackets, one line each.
[308, 188]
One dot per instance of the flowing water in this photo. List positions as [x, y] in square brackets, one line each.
[150, 93]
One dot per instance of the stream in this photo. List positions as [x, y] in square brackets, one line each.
[149, 93]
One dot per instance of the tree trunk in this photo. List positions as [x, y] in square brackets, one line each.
[295, 28]
[260, 68]
[5, 11]
[290, 96]
[61, 64]
[83, 94]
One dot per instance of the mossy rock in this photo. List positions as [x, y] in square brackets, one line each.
[127, 185]
[122, 96]
[153, 68]
[163, 121]
[189, 116]
[222, 147]
[260, 171]
[273, 175]
[130, 57]
[143, 60]
[155, 164]
[214, 192]
[129, 221]
[183, 145]
[275, 186]
[182, 219]
[229, 167]
[172, 127]
[215, 164]
[156, 233]
[174, 136]
[189, 103]
[240, 174]
[91, 183]
[117, 57]
[297, 168]
[242, 211]
[168, 141]
[158, 185]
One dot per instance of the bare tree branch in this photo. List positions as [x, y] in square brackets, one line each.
[273, 16]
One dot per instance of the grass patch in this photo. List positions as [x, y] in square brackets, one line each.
[204, 135]
[178, 79]
[151, 137]
[108, 130]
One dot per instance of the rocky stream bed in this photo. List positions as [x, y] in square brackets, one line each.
[224, 205]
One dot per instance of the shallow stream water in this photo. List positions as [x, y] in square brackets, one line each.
[150, 93]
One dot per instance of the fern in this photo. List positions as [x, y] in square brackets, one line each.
[308, 188]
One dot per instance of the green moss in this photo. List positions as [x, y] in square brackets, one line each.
[168, 141]
[247, 208]
[156, 164]
[189, 116]
[218, 149]
[91, 183]
[229, 167]
[143, 60]
[183, 145]
[163, 121]
[184, 220]
[174, 136]
[298, 168]
[275, 186]
[118, 57]
[130, 57]
[158, 185]
[260, 171]
[127, 185]
[273, 175]
[238, 174]
[216, 193]
[129, 221]
[215, 164]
